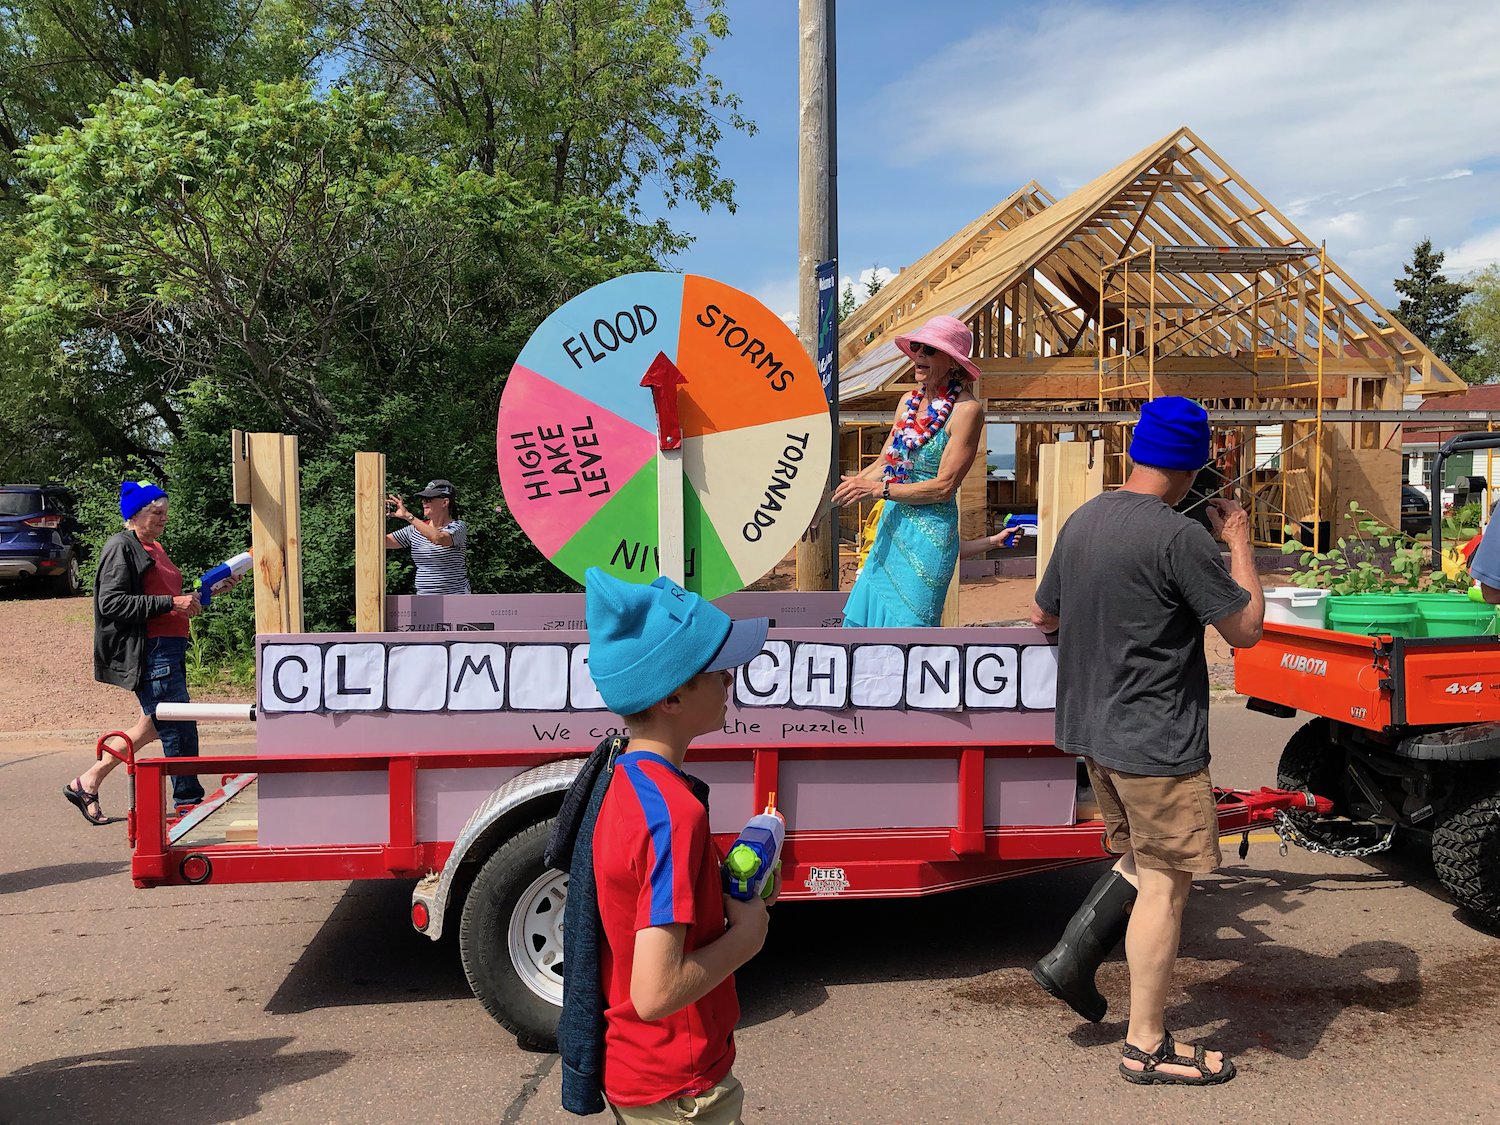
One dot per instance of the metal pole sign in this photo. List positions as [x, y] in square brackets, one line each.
[828, 329]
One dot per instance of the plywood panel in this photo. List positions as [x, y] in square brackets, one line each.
[1372, 478]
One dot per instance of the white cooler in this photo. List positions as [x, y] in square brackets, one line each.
[1295, 605]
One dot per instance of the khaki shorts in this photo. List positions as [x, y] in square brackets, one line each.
[720, 1106]
[1169, 822]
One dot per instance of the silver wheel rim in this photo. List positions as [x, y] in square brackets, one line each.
[75, 577]
[535, 937]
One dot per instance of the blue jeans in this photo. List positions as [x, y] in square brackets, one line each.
[166, 682]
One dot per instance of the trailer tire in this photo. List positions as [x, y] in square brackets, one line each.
[1466, 854]
[510, 937]
[1312, 763]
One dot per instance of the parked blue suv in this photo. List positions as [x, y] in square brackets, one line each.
[39, 537]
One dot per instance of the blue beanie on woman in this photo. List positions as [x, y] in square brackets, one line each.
[135, 495]
[1172, 434]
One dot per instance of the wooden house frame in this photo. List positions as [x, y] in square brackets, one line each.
[1169, 274]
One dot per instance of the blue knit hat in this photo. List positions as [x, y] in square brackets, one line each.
[1172, 434]
[645, 642]
[135, 495]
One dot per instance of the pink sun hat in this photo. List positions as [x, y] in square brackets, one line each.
[946, 334]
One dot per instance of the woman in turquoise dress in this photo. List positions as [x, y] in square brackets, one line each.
[934, 438]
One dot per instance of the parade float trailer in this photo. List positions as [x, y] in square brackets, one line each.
[905, 761]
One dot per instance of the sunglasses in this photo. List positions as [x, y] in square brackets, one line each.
[923, 349]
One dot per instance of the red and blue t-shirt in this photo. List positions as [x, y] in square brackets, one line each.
[656, 864]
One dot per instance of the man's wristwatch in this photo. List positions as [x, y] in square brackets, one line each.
[885, 493]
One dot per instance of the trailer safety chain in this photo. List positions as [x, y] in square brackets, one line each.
[1290, 833]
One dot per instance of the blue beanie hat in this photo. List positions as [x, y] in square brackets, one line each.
[1172, 434]
[135, 495]
[645, 642]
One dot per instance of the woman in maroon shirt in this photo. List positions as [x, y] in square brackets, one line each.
[141, 631]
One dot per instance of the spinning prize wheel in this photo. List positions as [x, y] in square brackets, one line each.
[664, 424]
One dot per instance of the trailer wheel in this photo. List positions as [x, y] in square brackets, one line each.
[1466, 854]
[510, 937]
[1311, 763]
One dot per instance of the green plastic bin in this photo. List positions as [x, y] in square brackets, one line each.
[1454, 615]
[1373, 614]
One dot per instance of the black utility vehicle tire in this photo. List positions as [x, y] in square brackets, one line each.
[69, 584]
[1310, 763]
[483, 938]
[1466, 854]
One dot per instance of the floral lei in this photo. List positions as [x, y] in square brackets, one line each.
[912, 433]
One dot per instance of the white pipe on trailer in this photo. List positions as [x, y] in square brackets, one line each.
[206, 712]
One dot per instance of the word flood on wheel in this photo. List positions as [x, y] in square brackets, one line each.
[580, 453]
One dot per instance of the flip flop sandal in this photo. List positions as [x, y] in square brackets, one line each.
[82, 799]
[1167, 1054]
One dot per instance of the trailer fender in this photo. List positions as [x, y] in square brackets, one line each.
[524, 799]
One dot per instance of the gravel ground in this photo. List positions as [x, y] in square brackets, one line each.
[47, 674]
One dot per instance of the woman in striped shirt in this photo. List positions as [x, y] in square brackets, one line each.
[437, 541]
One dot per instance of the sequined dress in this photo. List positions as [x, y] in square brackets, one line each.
[905, 579]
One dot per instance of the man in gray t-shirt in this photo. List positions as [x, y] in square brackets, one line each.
[1130, 587]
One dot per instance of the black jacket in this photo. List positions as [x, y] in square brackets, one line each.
[580, 1030]
[121, 608]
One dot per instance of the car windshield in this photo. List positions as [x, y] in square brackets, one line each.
[20, 503]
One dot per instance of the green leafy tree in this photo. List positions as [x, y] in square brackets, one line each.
[1430, 306]
[294, 269]
[588, 98]
[876, 282]
[846, 302]
[60, 57]
[260, 238]
[1480, 317]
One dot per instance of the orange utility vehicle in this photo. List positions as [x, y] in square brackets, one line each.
[1405, 737]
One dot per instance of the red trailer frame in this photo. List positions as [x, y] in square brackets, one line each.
[892, 863]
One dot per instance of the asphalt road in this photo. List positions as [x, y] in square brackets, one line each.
[1347, 991]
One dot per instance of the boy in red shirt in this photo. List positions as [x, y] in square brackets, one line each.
[671, 940]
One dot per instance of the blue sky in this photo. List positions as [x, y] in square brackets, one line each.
[1372, 124]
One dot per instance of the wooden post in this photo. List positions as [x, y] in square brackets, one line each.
[291, 531]
[1066, 482]
[952, 618]
[239, 466]
[817, 241]
[369, 542]
[275, 530]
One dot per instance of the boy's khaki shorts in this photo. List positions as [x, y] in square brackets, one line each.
[720, 1106]
[1169, 822]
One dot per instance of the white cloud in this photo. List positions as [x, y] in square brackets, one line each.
[1474, 254]
[861, 284]
[779, 294]
[1370, 124]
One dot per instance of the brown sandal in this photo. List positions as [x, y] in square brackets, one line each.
[82, 799]
[1167, 1054]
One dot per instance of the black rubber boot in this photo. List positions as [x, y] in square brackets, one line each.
[1093, 932]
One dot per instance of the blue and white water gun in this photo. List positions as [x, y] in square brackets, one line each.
[211, 582]
[756, 855]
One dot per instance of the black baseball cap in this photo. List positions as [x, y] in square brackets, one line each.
[438, 489]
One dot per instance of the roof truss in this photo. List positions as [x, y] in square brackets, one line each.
[1233, 278]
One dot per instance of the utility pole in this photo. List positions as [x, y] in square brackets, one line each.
[818, 241]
